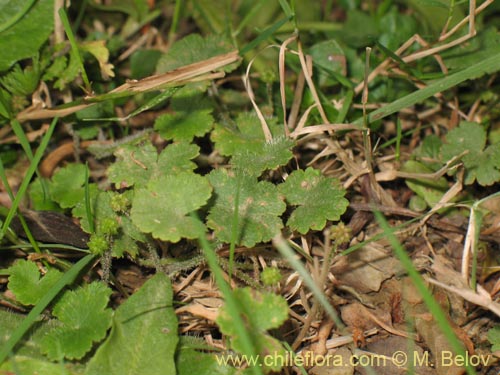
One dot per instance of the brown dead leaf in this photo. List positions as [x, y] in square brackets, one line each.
[386, 349]
[366, 269]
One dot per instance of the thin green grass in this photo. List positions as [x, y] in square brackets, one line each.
[288, 254]
[424, 291]
[487, 66]
[231, 303]
[27, 178]
[74, 48]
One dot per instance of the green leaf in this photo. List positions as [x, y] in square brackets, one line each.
[163, 208]
[137, 164]
[194, 48]
[39, 197]
[184, 125]
[66, 187]
[82, 320]
[28, 34]
[481, 164]
[262, 311]
[259, 208]
[484, 45]
[133, 165]
[190, 361]
[22, 82]
[176, 158]
[247, 136]
[143, 63]
[27, 284]
[428, 153]
[264, 156]
[318, 199]
[191, 117]
[143, 337]
[328, 55]
[494, 338]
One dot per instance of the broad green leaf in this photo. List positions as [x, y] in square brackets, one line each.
[194, 48]
[29, 365]
[163, 208]
[262, 311]
[40, 197]
[481, 164]
[176, 158]
[143, 63]
[318, 199]
[191, 115]
[484, 45]
[137, 164]
[397, 28]
[27, 284]
[67, 186]
[428, 153]
[328, 55]
[247, 135]
[133, 165]
[259, 208]
[494, 338]
[264, 156]
[143, 336]
[189, 362]
[83, 319]
[184, 125]
[31, 30]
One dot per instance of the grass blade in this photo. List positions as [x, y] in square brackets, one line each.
[27, 178]
[487, 66]
[423, 290]
[231, 303]
[287, 253]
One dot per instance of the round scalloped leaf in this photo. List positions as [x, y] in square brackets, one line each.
[247, 135]
[66, 187]
[261, 311]
[265, 156]
[143, 338]
[258, 211]
[176, 158]
[184, 125]
[318, 199]
[480, 164]
[27, 284]
[163, 208]
[133, 165]
[83, 318]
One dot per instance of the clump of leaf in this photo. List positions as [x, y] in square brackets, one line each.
[191, 116]
[163, 207]
[144, 331]
[27, 284]
[262, 311]
[81, 314]
[259, 208]
[317, 199]
[482, 162]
